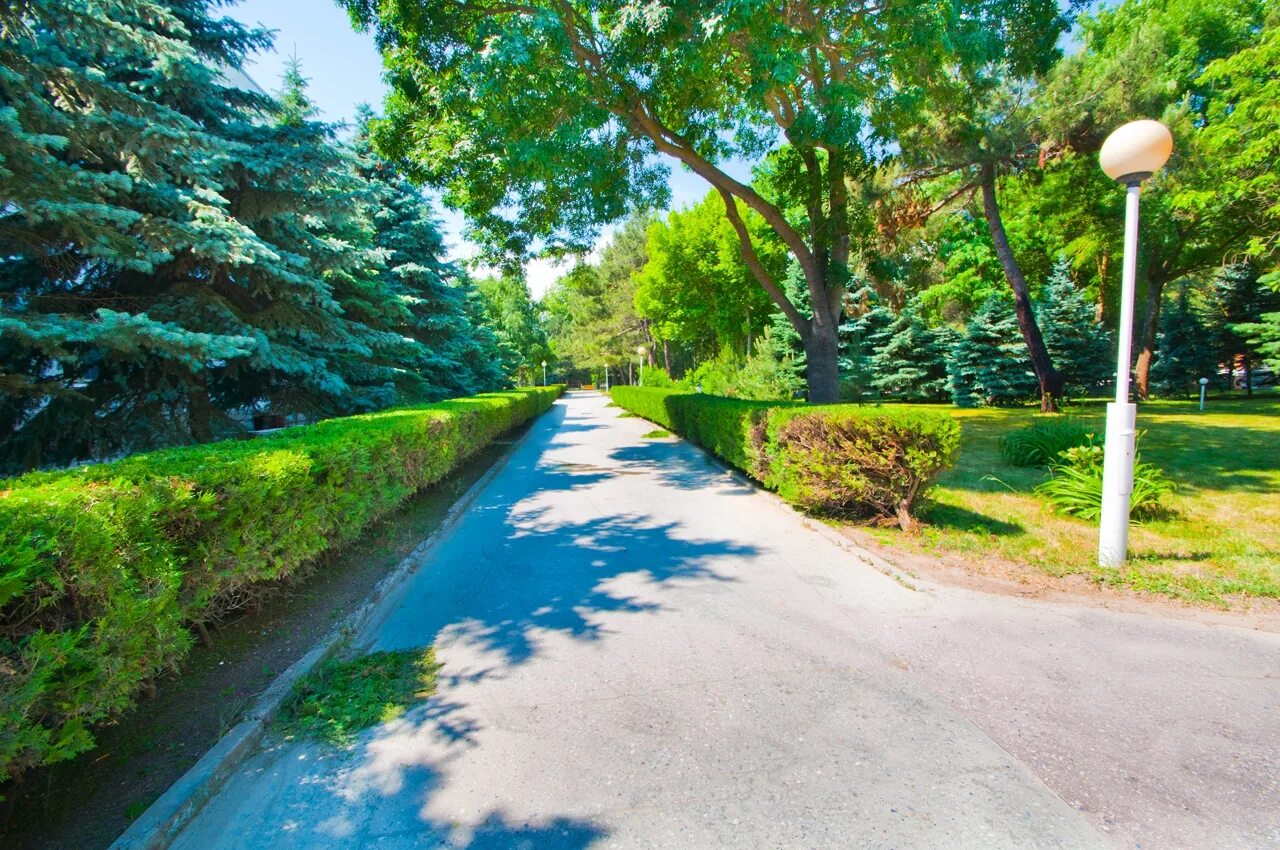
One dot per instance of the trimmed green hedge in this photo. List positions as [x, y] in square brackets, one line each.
[104, 568]
[842, 460]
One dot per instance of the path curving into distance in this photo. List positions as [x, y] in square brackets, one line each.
[641, 652]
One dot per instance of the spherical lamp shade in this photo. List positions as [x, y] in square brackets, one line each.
[1136, 151]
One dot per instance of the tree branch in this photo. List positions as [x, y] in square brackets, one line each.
[757, 268]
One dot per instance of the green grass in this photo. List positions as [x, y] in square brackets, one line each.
[657, 434]
[1219, 542]
[340, 698]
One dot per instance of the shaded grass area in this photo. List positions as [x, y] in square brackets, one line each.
[1220, 541]
[339, 699]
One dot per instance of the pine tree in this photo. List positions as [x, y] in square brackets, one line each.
[1264, 336]
[912, 362]
[862, 334]
[425, 297]
[178, 252]
[1079, 346]
[989, 364]
[111, 162]
[1238, 298]
[784, 335]
[1185, 350]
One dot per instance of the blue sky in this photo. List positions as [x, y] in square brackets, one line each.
[345, 70]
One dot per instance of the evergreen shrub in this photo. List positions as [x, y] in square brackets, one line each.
[1041, 444]
[837, 460]
[104, 568]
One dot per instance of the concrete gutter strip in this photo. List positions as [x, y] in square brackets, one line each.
[164, 819]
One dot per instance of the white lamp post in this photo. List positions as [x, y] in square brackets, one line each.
[1130, 155]
[606, 379]
[1204, 382]
[544, 373]
[640, 352]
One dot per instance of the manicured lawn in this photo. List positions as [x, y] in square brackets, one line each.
[1221, 542]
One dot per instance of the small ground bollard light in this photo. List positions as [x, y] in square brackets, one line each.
[1130, 155]
[1204, 383]
[641, 351]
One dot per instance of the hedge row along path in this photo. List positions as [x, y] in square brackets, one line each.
[640, 650]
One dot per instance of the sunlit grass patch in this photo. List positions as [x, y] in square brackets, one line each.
[339, 699]
[657, 434]
[1219, 540]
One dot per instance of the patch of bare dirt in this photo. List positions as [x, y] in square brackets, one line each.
[991, 574]
[86, 803]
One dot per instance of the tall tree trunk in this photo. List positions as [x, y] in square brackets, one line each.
[200, 413]
[666, 356]
[822, 363]
[1051, 380]
[1248, 376]
[1147, 336]
[1099, 312]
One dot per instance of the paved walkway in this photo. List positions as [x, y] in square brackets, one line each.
[641, 652]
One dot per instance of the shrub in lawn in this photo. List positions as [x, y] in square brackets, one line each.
[340, 698]
[1041, 444]
[865, 464]
[103, 568]
[841, 460]
[1075, 487]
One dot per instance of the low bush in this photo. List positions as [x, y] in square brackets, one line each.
[840, 460]
[104, 568]
[859, 463]
[1075, 487]
[1041, 444]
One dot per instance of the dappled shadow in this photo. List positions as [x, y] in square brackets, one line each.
[677, 464]
[573, 428]
[536, 575]
[521, 570]
[534, 563]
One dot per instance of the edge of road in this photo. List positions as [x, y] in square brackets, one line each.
[865, 556]
[160, 824]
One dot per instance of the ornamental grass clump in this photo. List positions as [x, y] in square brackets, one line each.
[1075, 487]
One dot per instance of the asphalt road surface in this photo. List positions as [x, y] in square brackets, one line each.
[639, 651]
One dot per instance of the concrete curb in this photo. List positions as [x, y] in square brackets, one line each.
[164, 819]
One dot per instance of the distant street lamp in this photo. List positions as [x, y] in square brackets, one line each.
[1204, 382]
[641, 351]
[544, 373]
[1130, 155]
[606, 379]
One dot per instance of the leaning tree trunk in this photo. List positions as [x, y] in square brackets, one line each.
[1051, 380]
[1147, 338]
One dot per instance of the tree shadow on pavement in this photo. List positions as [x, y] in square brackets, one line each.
[677, 464]
[520, 571]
